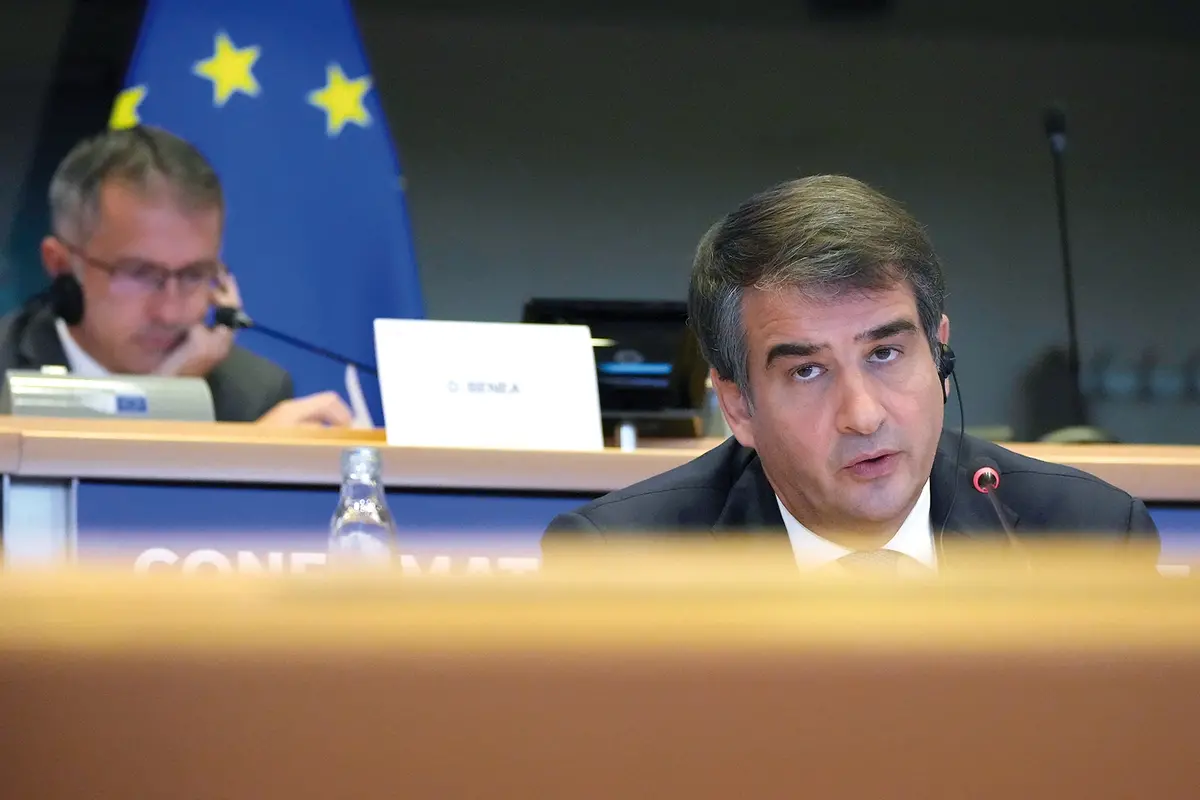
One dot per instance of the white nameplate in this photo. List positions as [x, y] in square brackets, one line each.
[488, 384]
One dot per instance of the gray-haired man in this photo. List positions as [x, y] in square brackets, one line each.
[137, 218]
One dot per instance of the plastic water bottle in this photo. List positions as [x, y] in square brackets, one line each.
[362, 532]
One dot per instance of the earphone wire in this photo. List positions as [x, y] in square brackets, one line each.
[962, 432]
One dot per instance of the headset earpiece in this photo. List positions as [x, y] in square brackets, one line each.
[945, 368]
[66, 298]
[945, 362]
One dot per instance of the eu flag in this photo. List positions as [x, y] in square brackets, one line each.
[278, 96]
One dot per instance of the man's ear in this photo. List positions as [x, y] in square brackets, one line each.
[736, 407]
[56, 258]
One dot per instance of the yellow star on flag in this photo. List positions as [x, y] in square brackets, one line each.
[229, 69]
[125, 108]
[342, 100]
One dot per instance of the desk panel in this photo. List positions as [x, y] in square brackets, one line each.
[1179, 526]
[283, 528]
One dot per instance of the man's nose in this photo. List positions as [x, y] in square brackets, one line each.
[170, 304]
[860, 411]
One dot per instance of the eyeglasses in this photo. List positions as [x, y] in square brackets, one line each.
[144, 278]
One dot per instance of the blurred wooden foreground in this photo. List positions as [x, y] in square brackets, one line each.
[690, 678]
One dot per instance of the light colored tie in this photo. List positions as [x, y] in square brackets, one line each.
[882, 564]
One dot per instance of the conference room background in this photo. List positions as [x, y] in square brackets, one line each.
[580, 150]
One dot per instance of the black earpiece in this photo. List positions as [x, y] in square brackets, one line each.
[945, 362]
[66, 298]
[945, 368]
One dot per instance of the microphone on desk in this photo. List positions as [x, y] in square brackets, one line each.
[237, 319]
[986, 481]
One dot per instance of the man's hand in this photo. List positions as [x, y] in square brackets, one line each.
[325, 409]
[202, 350]
[204, 347]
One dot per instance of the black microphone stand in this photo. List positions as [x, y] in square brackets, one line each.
[1056, 132]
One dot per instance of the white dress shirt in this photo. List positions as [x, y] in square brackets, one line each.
[78, 361]
[914, 539]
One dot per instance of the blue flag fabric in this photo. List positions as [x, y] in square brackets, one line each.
[278, 96]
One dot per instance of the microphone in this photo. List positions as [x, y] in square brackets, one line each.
[237, 319]
[232, 317]
[1054, 122]
[986, 481]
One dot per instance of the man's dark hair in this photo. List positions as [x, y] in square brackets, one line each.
[821, 235]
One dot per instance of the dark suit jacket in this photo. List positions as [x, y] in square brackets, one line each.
[725, 493]
[244, 386]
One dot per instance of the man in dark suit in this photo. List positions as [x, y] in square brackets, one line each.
[137, 219]
[819, 306]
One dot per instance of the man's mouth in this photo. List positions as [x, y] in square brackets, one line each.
[873, 465]
[874, 455]
[160, 341]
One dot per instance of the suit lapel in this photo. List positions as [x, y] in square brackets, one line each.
[751, 507]
[39, 345]
[750, 525]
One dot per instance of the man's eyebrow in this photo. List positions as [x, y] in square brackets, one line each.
[793, 350]
[887, 330]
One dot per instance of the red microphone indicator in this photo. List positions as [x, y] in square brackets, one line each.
[986, 480]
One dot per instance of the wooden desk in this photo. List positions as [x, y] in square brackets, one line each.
[174, 489]
[238, 453]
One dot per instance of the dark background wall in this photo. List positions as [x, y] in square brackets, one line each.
[29, 45]
[581, 151]
[61, 64]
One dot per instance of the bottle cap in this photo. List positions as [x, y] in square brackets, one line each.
[361, 461]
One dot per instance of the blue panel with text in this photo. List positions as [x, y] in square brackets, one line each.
[205, 526]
